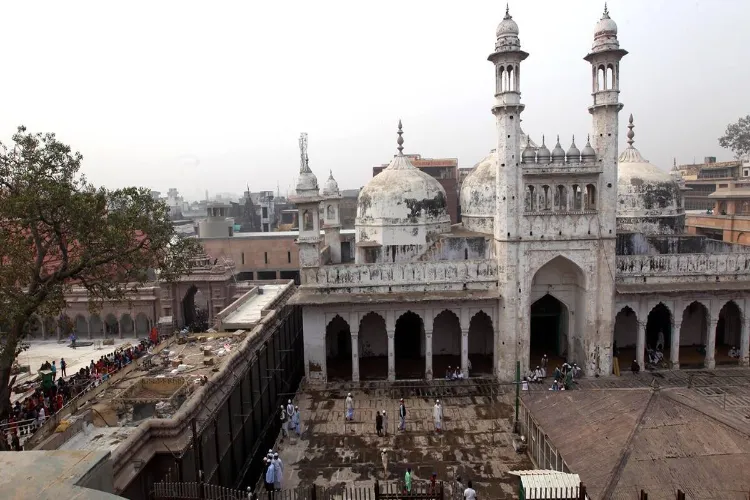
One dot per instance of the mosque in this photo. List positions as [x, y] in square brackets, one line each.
[579, 254]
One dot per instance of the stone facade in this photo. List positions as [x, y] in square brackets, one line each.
[577, 254]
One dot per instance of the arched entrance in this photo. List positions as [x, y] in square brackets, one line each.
[82, 327]
[96, 327]
[558, 313]
[481, 344]
[195, 310]
[446, 343]
[35, 328]
[728, 333]
[626, 337]
[693, 335]
[338, 350]
[409, 350]
[373, 348]
[141, 325]
[659, 334]
[126, 325]
[111, 326]
[549, 327]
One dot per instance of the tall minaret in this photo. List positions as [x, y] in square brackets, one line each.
[509, 198]
[507, 110]
[605, 59]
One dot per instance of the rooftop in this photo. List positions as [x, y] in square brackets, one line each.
[273, 234]
[249, 308]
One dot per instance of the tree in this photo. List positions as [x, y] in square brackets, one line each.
[737, 137]
[58, 231]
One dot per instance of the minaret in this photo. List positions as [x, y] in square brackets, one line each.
[507, 110]
[332, 218]
[605, 59]
[307, 199]
[509, 199]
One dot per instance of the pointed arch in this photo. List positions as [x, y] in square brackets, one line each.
[126, 325]
[81, 326]
[694, 334]
[338, 349]
[96, 326]
[409, 346]
[141, 324]
[111, 326]
[728, 333]
[481, 343]
[625, 336]
[446, 342]
[373, 347]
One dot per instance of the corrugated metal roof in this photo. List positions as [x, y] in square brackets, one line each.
[540, 484]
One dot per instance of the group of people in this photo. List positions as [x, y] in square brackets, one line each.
[28, 415]
[274, 471]
[563, 377]
[290, 419]
[381, 418]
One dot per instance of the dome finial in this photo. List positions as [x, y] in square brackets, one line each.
[507, 11]
[631, 134]
[400, 140]
[606, 12]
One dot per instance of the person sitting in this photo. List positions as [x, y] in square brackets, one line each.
[525, 384]
[635, 367]
[576, 371]
[449, 374]
[734, 352]
[532, 377]
[555, 386]
[458, 375]
[558, 373]
[538, 373]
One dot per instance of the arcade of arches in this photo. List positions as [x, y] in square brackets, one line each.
[693, 335]
[414, 349]
[94, 326]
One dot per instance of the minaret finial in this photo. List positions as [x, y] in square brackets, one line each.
[542, 139]
[574, 139]
[528, 141]
[507, 11]
[304, 164]
[606, 12]
[631, 134]
[558, 139]
[400, 140]
[588, 139]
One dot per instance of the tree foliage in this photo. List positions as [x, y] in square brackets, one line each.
[58, 231]
[737, 137]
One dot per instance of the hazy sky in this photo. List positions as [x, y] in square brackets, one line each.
[213, 95]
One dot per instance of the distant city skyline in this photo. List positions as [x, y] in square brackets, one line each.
[215, 98]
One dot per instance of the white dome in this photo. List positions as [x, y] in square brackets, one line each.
[507, 34]
[478, 196]
[402, 194]
[649, 199]
[331, 187]
[605, 34]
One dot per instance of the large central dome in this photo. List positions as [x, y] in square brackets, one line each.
[401, 206]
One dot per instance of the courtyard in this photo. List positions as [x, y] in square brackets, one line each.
[476, 443]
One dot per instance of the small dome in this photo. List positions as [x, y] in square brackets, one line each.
[307, 183]
[573, 154]
[507, 34]
[332, 187]
[477, 196]
[587, 153]
[649, 200]
[543, 155]
[605, 34]
[558, 154]
[529, 153]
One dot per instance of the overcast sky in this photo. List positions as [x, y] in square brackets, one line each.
[213, 95]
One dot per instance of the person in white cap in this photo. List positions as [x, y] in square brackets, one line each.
[289, 409]
[385, 423]
[295, 421]
[402, 415]
[437, 415]
[278, 471]
[284, 420]
[384, 458]
[349, 407]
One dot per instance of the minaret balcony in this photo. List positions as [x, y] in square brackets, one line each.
[561, 169]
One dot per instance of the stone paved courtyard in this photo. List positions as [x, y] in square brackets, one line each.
[476, 443]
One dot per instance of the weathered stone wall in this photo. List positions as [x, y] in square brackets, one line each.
[683, 268]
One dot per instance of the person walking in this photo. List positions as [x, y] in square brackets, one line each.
[54, 371]
[278, 471]
[402, 416]
[379, 424]
[269, 477]
[385, 423]
[384, 458]
[295, 421]
[407, 480]
[349, 407]
[63, 365]
[469, 492]
[282, 417]
[437, 415]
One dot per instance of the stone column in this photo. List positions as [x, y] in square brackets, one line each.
[710, 360]
[428, 354]
[640, 345]
[88, 328]
[391, 356]
[465, 352]
[745, 342]
[674, 344]
[355, 356]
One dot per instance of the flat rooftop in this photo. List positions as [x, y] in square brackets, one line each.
[476, 443]
[273, 234]
[98, 438]
[249, 312]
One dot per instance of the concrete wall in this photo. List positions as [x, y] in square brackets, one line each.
[683, 268]
[272, 253]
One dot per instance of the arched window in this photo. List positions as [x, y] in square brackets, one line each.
[610, 77]
[576, 192]
[330, 212]
[590, 197]
[561, 199]
[511, 76]
[307, 221]
[503, 79]
[600, 78]
[500, 76]
[530, 202]
[546, 198]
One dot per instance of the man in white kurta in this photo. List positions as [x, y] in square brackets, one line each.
[349, 407]
[437, 416]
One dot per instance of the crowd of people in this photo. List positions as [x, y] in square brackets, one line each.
[563, 377]
[28, 415]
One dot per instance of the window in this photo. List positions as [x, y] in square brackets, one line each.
[746, 172]
[466, 254]
[289, 257]
[265, 257]
[265, 212]
[242, 257]
[265, 227]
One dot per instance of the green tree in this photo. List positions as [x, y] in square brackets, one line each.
[737, 137]
[58, 231]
